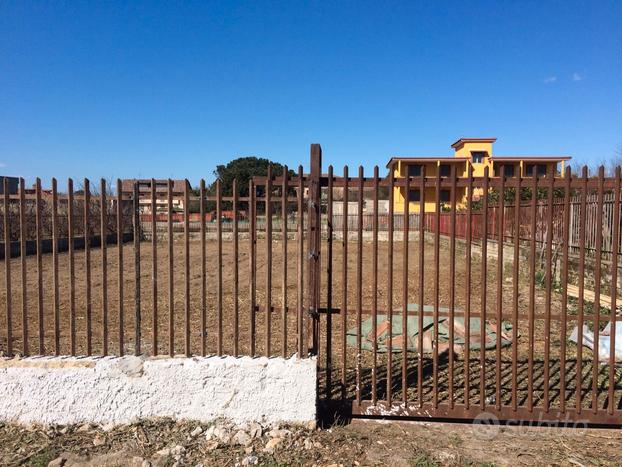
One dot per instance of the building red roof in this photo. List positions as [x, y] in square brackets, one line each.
[444, 159]
[531, 158]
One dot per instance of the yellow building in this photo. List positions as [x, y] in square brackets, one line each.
[474, 152]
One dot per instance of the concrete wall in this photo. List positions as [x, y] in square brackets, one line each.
[47, 245]
[65, 390]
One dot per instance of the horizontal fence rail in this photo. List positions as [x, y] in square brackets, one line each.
[501, 299]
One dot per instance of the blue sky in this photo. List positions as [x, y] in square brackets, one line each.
[171, 89]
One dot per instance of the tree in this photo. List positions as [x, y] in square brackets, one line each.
[243, 169]
[615, 161]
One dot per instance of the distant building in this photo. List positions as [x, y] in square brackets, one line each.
[161, 188]
[474, 152]
[13, 184]
[368, 207]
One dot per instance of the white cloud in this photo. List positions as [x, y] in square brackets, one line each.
[577, 77]
[550, 79]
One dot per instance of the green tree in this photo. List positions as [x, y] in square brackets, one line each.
[242, 169]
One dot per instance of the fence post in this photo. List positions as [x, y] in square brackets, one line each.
[313, 247]
[137, 234]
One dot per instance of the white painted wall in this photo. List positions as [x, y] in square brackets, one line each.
[65, 390]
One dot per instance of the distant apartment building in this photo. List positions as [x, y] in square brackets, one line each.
[161, 189]
[476, 153]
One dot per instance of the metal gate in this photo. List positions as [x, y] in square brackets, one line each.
[464, 311]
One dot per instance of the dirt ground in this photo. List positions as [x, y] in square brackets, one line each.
[494, 282]
[162, 443]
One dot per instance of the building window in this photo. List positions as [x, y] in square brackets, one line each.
[414, 195]
[478, 157]
[414, 170]
[539, 168]
[445, 170]
[506, 169]
[445, 196]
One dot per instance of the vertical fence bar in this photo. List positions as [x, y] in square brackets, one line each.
[22, 255]
[171, 286]
[103, 213]
[252, 212]
[268, 303]
[38, 222]
[359, 284]
[329, 286]
[467, 299]
[300, 266]
[87, 264]
[581, 299]
[236, 269]
[452, 283]
[154, 265]
[284, 193]
[187, 267]
[437, 262]
[548, 287]
[137, 314]
[7, 269]
[484, 283]
[344, 282]
[374, 310]
[532, 286]
[597, 287]
[515, 278]
[614, 289]
[389, 287]
[564, 310]
[219, 265]
[204, 270]
[421, 286]
[120, 266]
[313, 243]
[55, 277]
[405, 235]
[500, 232]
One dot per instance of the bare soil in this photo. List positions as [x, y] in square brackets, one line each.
[358, 443]
[498, 283]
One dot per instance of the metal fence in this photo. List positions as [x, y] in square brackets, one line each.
[448, 357]
[72, 286]
[414, 324]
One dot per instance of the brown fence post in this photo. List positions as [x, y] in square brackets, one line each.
[313, 247]
[137, 315]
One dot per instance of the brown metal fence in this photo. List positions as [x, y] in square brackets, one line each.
[458, 330]
[84, 275]
[433, 318]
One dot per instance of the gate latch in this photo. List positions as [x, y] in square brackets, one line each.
[313, 313]
[314, 255]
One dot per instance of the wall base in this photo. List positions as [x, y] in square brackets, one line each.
[67, 390]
